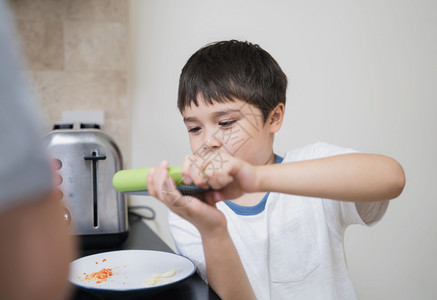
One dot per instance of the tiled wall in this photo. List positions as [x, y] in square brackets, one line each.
[77, 54]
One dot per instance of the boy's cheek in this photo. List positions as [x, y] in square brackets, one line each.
[194, 145]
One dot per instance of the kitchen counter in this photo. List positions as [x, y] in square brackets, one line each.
[141, 237]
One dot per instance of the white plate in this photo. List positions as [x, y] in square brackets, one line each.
[132, 270]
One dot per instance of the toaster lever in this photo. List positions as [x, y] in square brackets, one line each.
[94, 157]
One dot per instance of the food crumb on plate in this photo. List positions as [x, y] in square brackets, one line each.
[157, 279]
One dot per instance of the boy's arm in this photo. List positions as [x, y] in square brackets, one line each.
[224, 269]
[349, 177]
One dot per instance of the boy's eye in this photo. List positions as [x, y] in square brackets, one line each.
[194, 129]
[227, 123]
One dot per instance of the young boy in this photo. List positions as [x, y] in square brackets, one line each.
[279, 234]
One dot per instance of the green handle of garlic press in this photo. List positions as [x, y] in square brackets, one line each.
[136, 179]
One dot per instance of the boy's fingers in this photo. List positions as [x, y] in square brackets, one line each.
[160, 178]
[155, 179]
[150, 182]
[185, 168]
[218, 175]
[194, 172]
[220, 181]
[162, 187]
[162, 172]
[213, 197]
[170, 193]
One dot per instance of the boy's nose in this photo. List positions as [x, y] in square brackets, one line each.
[212, 143]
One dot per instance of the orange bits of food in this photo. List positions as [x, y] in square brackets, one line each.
[99, 276]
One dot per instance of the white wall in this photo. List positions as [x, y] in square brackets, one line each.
[361, 74]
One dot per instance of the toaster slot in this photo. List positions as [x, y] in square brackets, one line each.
[94, 157]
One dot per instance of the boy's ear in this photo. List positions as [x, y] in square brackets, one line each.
[276, 117]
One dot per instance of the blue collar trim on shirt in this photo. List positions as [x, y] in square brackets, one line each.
[251, 210]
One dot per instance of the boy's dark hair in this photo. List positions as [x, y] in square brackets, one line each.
[229, 70]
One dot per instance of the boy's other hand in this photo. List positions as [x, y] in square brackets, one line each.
[229, 176]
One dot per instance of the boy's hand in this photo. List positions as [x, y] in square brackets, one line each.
[231, 177]
[202, 214]
[220, 253]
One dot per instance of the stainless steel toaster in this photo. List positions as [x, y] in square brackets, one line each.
[87, 159]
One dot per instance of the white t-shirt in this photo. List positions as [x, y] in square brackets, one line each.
[291, 246]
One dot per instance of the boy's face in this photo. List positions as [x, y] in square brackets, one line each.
[235, 127]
